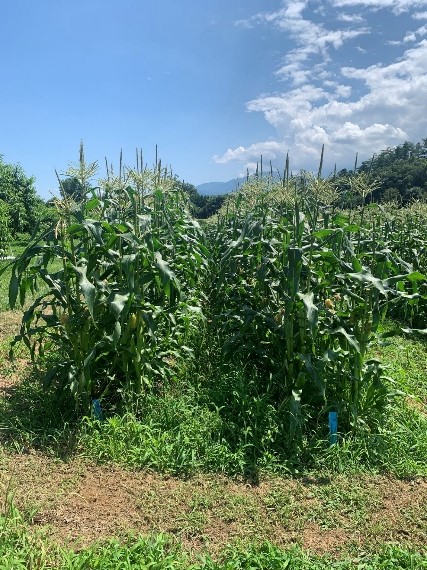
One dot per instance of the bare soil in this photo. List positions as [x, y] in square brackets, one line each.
[10, 371]
[81, 503]
[9, 323]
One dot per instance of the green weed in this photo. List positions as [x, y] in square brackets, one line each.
[20, 549]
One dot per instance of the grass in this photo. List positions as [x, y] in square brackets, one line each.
[16, 249]
[406, 358]
[4, 288]
[21, 549]
[181, 433]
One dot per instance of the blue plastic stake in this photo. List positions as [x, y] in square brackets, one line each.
[333, 428]
[97, 412]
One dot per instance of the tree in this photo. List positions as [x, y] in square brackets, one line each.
[18, 193]
[401, 172]
[202, 206]
[5, 236]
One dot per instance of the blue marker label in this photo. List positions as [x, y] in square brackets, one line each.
[333, 427]
[97, 412]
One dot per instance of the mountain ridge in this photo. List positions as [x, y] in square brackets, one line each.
[218, 188]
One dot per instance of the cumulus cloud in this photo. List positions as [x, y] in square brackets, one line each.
[350, 133]
[420, 16]
[390, 111]
[268, 149]
[413, 36]
[410, 36]
[319, 108]
[397, 6]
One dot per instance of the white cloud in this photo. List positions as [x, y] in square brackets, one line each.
[319, 108]
[350, 133]
[420, 15]
[268, 149]
[250, 167]
[413, 36]
[343, 91]
[397, 6]
[313, 40]
[391, 111]
[247, 24]
[410, 36]
[352, 18]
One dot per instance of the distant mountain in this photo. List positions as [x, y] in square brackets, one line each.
[218, 188]
[214, 188]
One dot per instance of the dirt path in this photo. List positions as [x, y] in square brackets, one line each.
[81, 503]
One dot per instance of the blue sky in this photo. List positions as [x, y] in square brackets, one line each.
[214, 83]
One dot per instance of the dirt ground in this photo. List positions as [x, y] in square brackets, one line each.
[81, 503]
[9, 323]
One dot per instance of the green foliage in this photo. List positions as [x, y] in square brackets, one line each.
[280, 300]
[174, 435]
[266, 555]
[21, 550]
[400, 173]
[47, 217]
[122, 306]
[51, 425]
[5, 235]
[298, 293]
[73, 188]
[399, 446]
[202, 207]
[17, 191]
[228, 423]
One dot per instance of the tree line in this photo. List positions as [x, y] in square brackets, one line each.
[400, 173]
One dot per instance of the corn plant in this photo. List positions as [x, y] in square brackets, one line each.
[284, 286]
[121, 276]
[299, 293]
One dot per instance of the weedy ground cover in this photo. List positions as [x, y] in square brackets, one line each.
[340, 522]
[18, 550]
[157, 554]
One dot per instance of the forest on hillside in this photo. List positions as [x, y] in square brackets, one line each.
[400, 173]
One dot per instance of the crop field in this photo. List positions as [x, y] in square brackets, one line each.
[247, 391]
